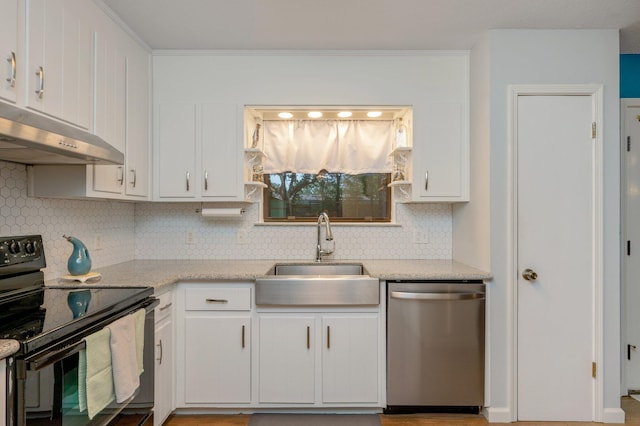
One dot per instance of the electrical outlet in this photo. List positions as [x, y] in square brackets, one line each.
[242, 236]
[97, 242]
[420, 236]
[190, 238]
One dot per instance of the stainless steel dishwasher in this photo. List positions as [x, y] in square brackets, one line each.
[435, 346]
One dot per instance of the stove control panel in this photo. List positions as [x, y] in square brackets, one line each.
[22, 253]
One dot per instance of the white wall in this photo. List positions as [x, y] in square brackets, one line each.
[552, 57]
[22, 215]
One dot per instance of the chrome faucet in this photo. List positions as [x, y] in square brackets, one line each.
[328, 236]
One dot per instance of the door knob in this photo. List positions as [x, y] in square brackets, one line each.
[529, 275]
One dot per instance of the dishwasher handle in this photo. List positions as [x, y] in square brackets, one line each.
[436, 296]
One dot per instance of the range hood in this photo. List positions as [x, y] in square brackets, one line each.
[29, 138]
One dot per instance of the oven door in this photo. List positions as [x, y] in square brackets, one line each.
[47, 384]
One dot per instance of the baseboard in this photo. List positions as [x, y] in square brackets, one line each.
[497, 415]
[613, 415]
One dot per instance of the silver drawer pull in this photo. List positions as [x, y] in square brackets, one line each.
[217, 301]
[167, 306]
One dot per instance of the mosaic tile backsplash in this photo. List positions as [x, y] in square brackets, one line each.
[22, 215]
[175, 231]
[162, 231]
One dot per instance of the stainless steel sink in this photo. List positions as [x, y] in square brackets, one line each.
[317, 284]
[318, 269]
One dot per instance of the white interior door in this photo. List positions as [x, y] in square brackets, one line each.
[555, 239]
[631, 233]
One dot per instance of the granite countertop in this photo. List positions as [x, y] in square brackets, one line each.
[160, 273]
[8, 347]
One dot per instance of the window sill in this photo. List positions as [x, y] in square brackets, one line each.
[333, 224]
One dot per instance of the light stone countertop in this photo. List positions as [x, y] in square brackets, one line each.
[160, 273]
[8, 347]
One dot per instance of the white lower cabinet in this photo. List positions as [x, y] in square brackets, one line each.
[287, 359]
[337, 353]
[164, 360]
[214, 337]
[350, 359]
[232, 355]
[218, 354]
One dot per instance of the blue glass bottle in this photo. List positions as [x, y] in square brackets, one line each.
[79, 262]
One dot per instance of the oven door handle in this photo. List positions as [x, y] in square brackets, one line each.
[55, 356]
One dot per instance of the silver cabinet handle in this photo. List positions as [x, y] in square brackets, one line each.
[120, 175]
[426, 180]
[12, 60]
[167, 306]
[188, 178]
[206, 180]
[160, 346]
[217, 301]
[133, 177]
[243, 337]
[308, 337]
[40, 74]
[435, 296]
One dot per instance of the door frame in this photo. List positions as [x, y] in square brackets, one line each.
[625, 103]
[596, 94]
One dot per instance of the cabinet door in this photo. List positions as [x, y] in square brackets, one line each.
[440, 156]
[137, 152]
[287, 360]
[217, 360]
[110, 110]
[176, 145]
[350, 359]
[60, 55]
[163, 399]
[221, 152]
[8, 49]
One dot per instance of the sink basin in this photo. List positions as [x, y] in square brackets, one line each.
[317, 284]
[318, 269]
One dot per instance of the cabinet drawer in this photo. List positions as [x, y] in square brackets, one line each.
[165, 307]
[218, 299]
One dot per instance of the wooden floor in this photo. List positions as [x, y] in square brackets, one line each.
[630, 406]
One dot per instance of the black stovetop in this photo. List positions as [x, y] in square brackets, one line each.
[63, 311]
[36, 315]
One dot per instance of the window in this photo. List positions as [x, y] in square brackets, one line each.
[349, 198]
[326, 159]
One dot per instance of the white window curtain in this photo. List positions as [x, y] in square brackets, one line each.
[350, 147]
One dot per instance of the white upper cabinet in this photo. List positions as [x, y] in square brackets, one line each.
[120, 108]
[60, 59]
[441, 156]
[433, 85]
[175, 145]
[199, 151]
[9, 80]
[122, 113]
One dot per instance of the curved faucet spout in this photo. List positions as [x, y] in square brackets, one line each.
[323, 217]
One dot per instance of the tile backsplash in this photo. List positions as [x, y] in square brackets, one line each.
[162, 231]
[84, 219]
[159, 230]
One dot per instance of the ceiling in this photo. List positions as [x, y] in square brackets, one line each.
[363, 24]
